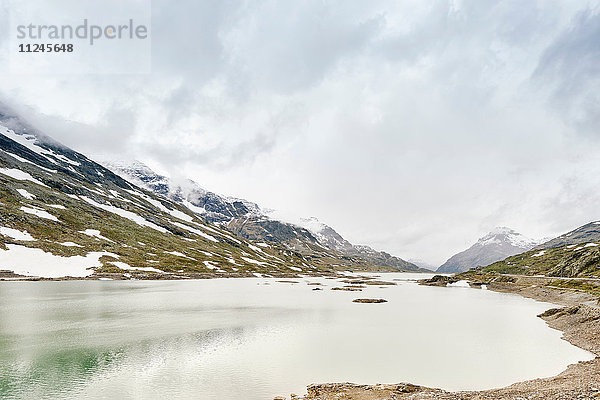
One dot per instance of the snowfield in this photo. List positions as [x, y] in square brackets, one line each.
[196, 231]
[253, 261]
[20, 175]
[39, 213]
[126, 266]
[70, 244]
[26, 194]
[125, 214]
[178, 254]
[19, 260]
[95, 233]
[16, 234]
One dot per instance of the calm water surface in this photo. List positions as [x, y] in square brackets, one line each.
[234, 339]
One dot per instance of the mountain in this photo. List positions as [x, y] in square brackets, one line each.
[574, 254]
[76, 218]
[328, 237]
[211, 206]
[423, 264]
[495, 246]
[249, 221]
[584, 234]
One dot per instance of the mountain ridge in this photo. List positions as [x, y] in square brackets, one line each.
[248, 220]
[573, 254]
[589, 232]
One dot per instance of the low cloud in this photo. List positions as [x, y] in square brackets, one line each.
[412, 127]
[569, 69]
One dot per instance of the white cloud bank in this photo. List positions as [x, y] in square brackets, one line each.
[415, 127]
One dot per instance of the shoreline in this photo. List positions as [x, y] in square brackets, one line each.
[578, 318]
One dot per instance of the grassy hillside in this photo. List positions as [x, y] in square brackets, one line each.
[67, 207]
[569, 260]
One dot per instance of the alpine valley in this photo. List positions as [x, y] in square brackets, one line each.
[80, 219]
[249, 221]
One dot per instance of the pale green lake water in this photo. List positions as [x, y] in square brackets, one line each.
[234, 339]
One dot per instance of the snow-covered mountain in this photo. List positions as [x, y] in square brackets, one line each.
[249, 221]
[212, 206]
[76, 218]
[328, 237]
[495, 246]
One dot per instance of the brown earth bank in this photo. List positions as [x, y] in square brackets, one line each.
[579, 319]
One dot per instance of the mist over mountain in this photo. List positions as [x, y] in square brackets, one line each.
[248, 220]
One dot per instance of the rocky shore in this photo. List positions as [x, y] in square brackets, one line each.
[142, 275]
[578, 318]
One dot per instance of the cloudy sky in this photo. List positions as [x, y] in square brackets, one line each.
[412, 126]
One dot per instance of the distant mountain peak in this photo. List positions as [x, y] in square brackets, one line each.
[502, 230]
[498, 244]
[503, 234]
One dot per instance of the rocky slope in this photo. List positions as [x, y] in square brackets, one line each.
[249, 221]
[213, 207]
[495, 246]
[329, 238]
[76, 218]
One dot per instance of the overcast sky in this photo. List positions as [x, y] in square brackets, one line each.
[414, 127]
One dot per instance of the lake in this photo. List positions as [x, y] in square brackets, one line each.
[256, 338]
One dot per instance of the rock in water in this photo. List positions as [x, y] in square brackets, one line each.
[369, 301]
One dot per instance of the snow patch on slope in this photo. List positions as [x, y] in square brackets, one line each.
[95, 233]
[125, 266]
[16, 234]
[19, 175]
[26, 194]
[18, 259]
[196, 231]
[39, 213]
[69, 244]
[125, 214]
